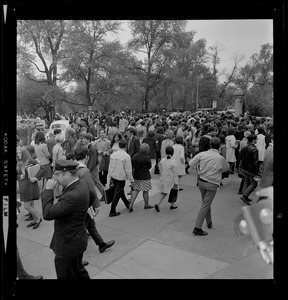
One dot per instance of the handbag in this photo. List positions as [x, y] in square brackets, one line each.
[173, 195]
[104, 163]
[109, 193]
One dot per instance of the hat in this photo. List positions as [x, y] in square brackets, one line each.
[62, 165]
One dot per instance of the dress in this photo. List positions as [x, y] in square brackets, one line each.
[230, 148]
[28, 190]
[179, 156]
[261, 146]
[168, 174]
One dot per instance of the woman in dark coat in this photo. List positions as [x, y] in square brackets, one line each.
[28, 190]
[141, 164]
[151, 141]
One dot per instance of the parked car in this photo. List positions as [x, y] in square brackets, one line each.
[60, 124]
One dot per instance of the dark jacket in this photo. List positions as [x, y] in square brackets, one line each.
[159, 137]
[134, 146]
[141, 164]
[249, 159]
[93, 158]
[84, 173]
[152, 145]
[69, 215]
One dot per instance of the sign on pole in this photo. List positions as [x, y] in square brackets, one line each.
[214, 104]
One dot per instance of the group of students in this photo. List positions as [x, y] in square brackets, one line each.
[167, 147]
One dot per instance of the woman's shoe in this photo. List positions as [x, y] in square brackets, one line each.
[148, 206]
[36, 225]
[31, 224]
[157, 208]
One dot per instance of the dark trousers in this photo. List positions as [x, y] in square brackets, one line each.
[118, 193]
[249, 184]
[70, 268]
[91, 227]
[103, 177]
[158, 158]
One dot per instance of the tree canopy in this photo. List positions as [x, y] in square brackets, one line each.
[76, 63]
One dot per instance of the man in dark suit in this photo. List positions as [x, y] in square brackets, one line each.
[70, 237]
[133, 142]
[94, 129]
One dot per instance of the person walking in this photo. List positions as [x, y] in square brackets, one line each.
[261, 146]
[168, 141]
[151, 141]
[82, 157]
[102, 145]
[120, 169]
[141, 165]
[159, 137]
[179, 156]
[204, 142]
[69, 213]
[231, 145]
[249, 163]
[210, 165]
[168, 177]
[29, 191]
[267, 176]
[42, 152]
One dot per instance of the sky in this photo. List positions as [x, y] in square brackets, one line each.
[242, 36]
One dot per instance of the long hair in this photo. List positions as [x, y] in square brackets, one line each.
[113, 139]
[24, 160]
[39, 137]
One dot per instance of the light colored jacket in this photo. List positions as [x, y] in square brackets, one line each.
[210, 165]
[120, 166]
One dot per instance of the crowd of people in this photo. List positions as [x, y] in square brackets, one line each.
[101, 151]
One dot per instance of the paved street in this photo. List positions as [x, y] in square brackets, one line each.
[157, 245]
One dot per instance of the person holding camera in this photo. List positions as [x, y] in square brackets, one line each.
[210, 166]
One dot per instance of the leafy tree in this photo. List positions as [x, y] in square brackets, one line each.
[152, 37]
[256, 81]
[38, 53]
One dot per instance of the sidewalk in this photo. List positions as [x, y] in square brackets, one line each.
[157, 245]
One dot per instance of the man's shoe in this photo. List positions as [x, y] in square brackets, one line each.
[114, 214]
[245, 199]
[131, 209]
[173, 206]
[30, 218]
[36, 225]
[157, 207]
[199, 232]
[28, 276]
[31, 224]
[106, 246]
[209, 225]
[84, 263]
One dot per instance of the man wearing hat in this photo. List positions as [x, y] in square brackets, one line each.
[70, 237]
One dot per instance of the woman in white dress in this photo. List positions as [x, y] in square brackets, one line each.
[168, 176]
[179, 156]
[231, 145]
